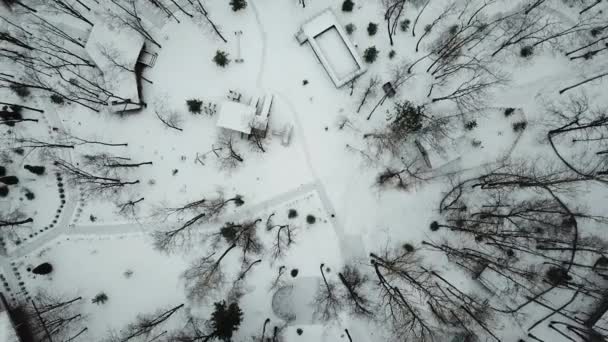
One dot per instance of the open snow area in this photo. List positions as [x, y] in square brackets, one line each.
[303, 170]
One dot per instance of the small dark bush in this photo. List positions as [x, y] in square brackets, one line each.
[453, 29]
[2, 171]
[100, 298]
[3, 191]
[519, 126]
[408, 247]
[526, 51]
[596, 31]
[372, 29]
[57, 99]
[392, 54]
[92, 218]
[194, 106]
[510, 253]
[294, 272]
[405, 25]
[310, 219]
[20, 90]
[370, 54]
[9, 180]
[238, 5]
[292, 213]
[20, 151]
[509, 111]
[29, 195]
[37, 170]
[238, 200]
[304, 82]
[221, 58]
[299, 331]
[350, 28]
[470, 125]
[42, 269]
[476, 143]
[348, 5]
[557, 276]
[10, 115]
[601, 262]
[434, 226]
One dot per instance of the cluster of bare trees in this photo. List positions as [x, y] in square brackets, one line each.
[514, 221]
[51, 318]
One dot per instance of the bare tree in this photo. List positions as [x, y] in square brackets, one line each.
[471, 94]
[202, 10]
[14, 218]
[129, 17]
[355, 295]
[66, 7]
[145, 327]
[205, 276]
[227, 152]
[189, 216]
[578, 136]
[53, 318]
[393, 10]
[327, 301]
[370, 89]
[90, 183]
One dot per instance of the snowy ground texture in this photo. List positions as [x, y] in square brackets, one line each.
[470, 205]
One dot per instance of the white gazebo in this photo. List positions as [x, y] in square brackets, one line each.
[115, 51]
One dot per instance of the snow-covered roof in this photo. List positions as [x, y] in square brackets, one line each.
[236, 116]
[107, 45]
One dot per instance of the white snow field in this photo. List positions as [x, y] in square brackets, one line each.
[454, 190]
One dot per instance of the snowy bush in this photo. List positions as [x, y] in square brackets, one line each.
[392, 54]
[238, 5]
[292, 213]
[350, 28]
[221, 58]
[370, 54]
[9, 180]
[29, 195]
[526, 51]
[404, 25]
[100, 298]
[470, 125]
[348, 5]
[372, 29]
[20, 90]
[57, 99]
[194, 106]
[37, 170]
[557, 276]
[225, 320]
[434, 226]
[519, 126]
[44, 268]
